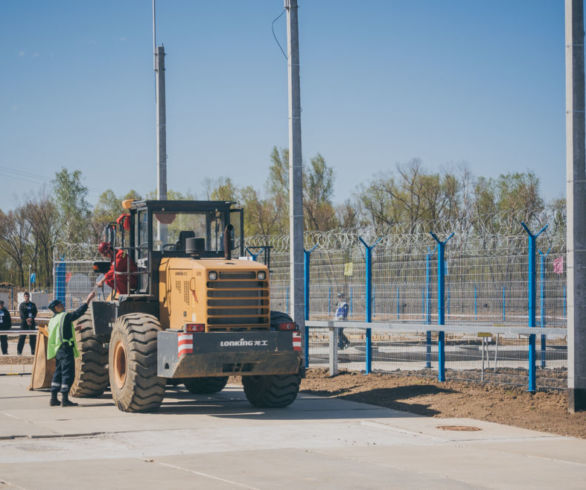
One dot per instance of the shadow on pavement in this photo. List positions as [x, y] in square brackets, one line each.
[310, 405]
[393, 398]
[233, 404]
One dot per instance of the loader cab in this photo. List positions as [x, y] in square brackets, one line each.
[162, 229]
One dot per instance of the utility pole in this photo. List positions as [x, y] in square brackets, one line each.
[161, 121]
[576, 205]
[295, 168]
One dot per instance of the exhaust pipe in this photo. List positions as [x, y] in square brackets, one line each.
[228, 241]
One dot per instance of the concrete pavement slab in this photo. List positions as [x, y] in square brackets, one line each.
[220, 441]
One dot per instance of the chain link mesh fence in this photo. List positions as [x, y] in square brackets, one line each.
[486, 283]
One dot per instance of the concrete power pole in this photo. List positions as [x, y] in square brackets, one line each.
[295, 168]
[576, 205]
[161, 136]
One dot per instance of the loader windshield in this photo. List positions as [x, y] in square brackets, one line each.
[179, 226]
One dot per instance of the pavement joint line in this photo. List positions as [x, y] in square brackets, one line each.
[379, 425]
[529, 438]
[205, 475]
[547, 458]
[56, 436]
[12, 485]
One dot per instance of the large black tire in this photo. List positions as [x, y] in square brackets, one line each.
[206, 386]
[278, 317]
[273, 391]
[133, 363]
[91, 367]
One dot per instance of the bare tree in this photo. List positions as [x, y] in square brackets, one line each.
[15, 231]
[42, 216]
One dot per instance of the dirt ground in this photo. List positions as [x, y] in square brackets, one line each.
[542, 411]
[16, 360]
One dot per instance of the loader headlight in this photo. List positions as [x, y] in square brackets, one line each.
[262, 275]
[213, 275]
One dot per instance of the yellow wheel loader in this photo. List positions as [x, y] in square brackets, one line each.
[192, 313]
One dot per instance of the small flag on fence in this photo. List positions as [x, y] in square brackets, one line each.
[67, 276]
[348, 268]
[558, 265]
[33, 278]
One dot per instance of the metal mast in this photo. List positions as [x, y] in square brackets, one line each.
[576, 205]
[161, 122]
[295, 167]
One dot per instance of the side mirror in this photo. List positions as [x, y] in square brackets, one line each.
[101, 266]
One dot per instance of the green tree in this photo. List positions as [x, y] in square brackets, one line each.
[278, 188]
[108, 209]
[70, 197]
[260, 216]
[318, 190]
[224, 190]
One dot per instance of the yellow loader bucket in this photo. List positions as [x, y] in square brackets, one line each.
[43, 369]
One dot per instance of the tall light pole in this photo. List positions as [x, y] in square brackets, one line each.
[295, 168]
[576, 205]
[161, 122]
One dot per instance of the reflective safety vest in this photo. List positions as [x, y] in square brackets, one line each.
[56, 336]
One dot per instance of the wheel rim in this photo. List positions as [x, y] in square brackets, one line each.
[120, 364]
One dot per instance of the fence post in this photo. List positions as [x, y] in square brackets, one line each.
[351, 298]
[398, 304]
[542, 257]
[287, 299]
[252, 254]
[475, 303]
[60, 280]
[441, 320]
[531, 301]
[306, 264]
[329, 301]
[428, 308]
[333, 351]
[504, 307]
[368, 250]
[373, 300]
[448, 303]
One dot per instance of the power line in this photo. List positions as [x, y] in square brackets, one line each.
[275, 36]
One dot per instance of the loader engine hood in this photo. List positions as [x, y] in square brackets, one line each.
[222, 295]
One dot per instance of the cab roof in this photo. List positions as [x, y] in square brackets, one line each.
[182, 206]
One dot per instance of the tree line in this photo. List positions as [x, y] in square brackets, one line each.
[406, 198]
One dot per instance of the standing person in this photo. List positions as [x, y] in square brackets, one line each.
[342, 314]
[63, 347]
[122, 263]
[5, 324]
[28, 313]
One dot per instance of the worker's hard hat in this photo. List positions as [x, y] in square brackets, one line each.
[104, 248]
[53, 304]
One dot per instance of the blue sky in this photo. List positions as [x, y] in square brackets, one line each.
[382, 82]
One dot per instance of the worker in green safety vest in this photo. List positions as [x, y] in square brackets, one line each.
[63, 347]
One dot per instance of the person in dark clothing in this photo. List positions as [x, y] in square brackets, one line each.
[5, 324]
[63, 347]
[28, 313]
[342, 314]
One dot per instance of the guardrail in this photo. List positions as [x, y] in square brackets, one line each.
[13, 332]
[478, 330]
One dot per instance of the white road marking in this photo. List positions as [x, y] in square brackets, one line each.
[207, 475]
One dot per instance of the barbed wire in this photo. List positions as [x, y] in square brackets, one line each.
[498, 234]
[502, 232]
